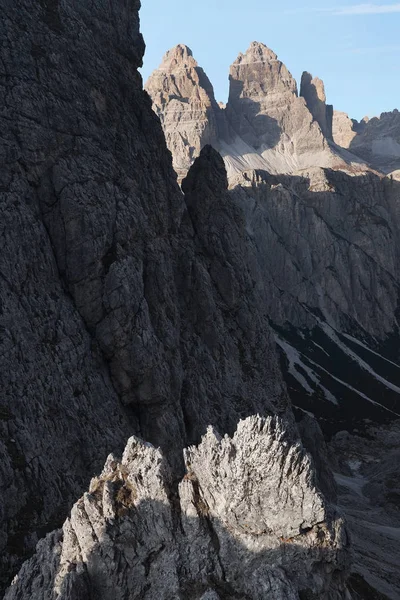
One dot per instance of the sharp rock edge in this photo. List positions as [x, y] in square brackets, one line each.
[246, 522]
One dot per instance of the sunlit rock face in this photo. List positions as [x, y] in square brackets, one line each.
[246, 521]
[265, 124]
[376, 140]
[183, 98]
[313, 91]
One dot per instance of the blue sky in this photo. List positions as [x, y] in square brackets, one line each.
[354, 47]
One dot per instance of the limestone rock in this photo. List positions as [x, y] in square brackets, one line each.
[183, 98]
[313, 92]
[378, 142]
[343, 129]
[116, 316]
[367, 474]
[265, 125]
[247, 521]
[328, 246]
[226, 336]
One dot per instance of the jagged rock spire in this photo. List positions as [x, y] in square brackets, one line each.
[183, 98]
[265, 111]
[313, 92]
[247, 521]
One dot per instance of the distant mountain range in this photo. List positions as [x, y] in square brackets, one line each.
[266, 123]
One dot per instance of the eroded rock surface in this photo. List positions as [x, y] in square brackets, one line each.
[312, 89]
[265, 125]
[116, 316]
[246, 521]
[367, 473]
[266, 112]
[183, 98]
[327, 245]
[376, 140]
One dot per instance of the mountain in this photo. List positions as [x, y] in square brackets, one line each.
[125, 306]
[183, 98]
[265, 124]
[326, 237]
[328, 246]
[376, 140]
[130, 305]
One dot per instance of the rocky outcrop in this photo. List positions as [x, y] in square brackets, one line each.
[313, 92]
[378, 142]
[117, 316]
[226, 339]
[246, 521]
[183, 98]
[266, 112]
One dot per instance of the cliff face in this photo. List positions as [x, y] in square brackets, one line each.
[266, 112]
[328, 245]
[122, 308]
[313, 91]
[326, 239]
[265, 124]
[376, 140]
[245, 522]
[183, 98]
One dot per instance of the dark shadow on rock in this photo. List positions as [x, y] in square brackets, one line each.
[245, 119]
[295, 222]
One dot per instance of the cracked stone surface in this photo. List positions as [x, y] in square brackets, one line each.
[116, 315]
[246, 521]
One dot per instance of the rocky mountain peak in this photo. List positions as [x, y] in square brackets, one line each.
[257, 52]
[312, 89]
[208, 167]
[183, 98]
[180, 76]
[258, 73]
[265, 125]
[179, 55]
[265, 111]
[315, 83]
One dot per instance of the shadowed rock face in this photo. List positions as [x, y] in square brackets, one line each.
[116, 315]
[328, 249]
[313, 92]
[367, 474]
[246, 521]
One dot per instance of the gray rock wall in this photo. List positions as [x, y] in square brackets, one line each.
[116, 315]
